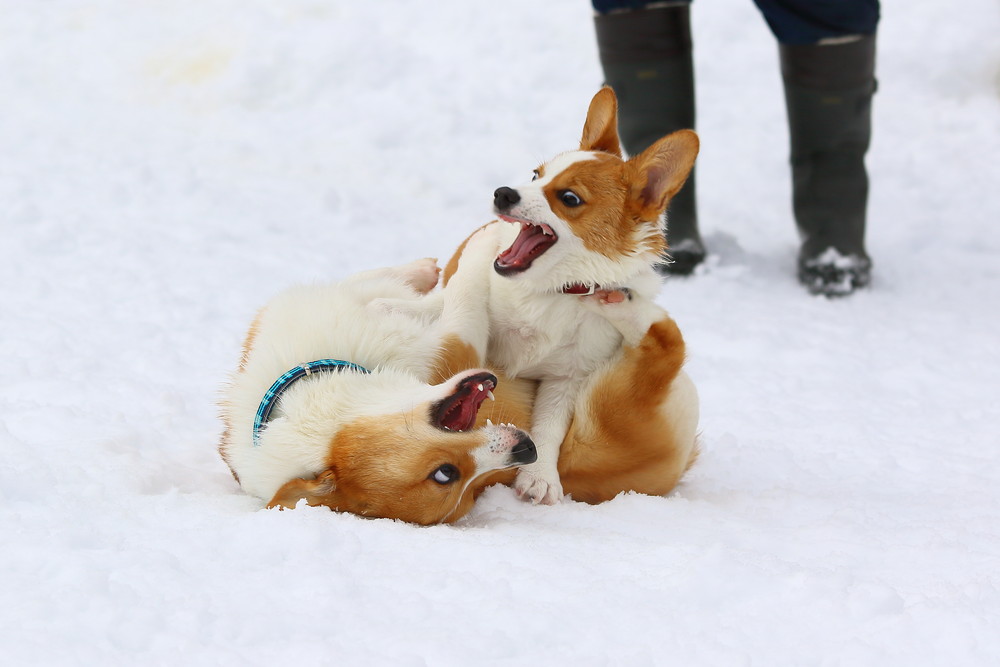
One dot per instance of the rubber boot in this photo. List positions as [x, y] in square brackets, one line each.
[646, 58]
[828, 93]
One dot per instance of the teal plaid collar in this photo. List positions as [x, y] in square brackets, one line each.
[282, 384]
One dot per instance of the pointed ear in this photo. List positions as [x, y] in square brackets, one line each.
[319, 491]
[600, 131]
[660, 170]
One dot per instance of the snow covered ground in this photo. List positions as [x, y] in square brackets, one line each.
[167, 166]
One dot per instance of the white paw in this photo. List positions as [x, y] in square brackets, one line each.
[538, 489]
[607, 297]
[422, 274]
[630, 314]
[614, 305]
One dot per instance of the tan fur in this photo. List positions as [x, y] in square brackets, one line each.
[454, 354]
[599, 225]
[624, 439]
[659, 172]
[226, 413]
[600, 131]
[248, 342]
[380, 454]
[368, 459]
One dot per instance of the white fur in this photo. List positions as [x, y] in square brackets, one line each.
[341, 321]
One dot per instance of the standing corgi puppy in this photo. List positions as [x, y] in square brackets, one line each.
[570, 286]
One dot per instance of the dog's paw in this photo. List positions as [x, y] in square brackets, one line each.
[537, 489]
[422, 274]
[609, 303]
[632, 315]
[605, 297]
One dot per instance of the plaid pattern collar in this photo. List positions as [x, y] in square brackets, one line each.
[282, 384]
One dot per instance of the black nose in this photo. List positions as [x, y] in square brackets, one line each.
[524, 451]
[505, 197]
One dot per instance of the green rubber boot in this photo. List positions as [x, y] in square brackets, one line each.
[646, 57]
[828, 93]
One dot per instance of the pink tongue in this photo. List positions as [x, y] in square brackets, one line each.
[520, 253]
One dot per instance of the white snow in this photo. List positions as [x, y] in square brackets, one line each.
[167, 166]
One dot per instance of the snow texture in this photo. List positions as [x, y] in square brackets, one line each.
[167, 166]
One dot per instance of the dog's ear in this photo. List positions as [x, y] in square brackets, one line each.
[660, 170]
[319, 491]
[600, 131]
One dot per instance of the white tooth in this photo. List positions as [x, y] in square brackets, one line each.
[488, 422]
[480, 387]
[490, 394]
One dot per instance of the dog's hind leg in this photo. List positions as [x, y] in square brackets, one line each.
[406, 290]
[421, 275]
[635, 424]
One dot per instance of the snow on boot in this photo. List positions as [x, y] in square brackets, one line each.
[828, 94]
[646, 58]
[833, 274]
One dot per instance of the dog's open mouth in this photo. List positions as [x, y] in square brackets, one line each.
[530, 244]
[458, 412]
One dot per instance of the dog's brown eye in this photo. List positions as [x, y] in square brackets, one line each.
[534, 175]
[570, 198]
[445, 474]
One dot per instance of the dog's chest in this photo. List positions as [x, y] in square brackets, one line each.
[550, 340]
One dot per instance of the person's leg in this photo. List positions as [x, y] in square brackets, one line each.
[646, 57]
[827, 50]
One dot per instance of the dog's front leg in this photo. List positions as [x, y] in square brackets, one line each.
[539, 482]
[419, 278]
[467, 294]
[465, 322]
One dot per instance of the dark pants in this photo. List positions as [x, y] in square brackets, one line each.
[795, 21]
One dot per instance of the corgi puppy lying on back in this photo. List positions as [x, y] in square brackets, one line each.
[571, 281]
[343, 405]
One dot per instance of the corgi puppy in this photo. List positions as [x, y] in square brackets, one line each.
[568, 276]
[344, 404]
